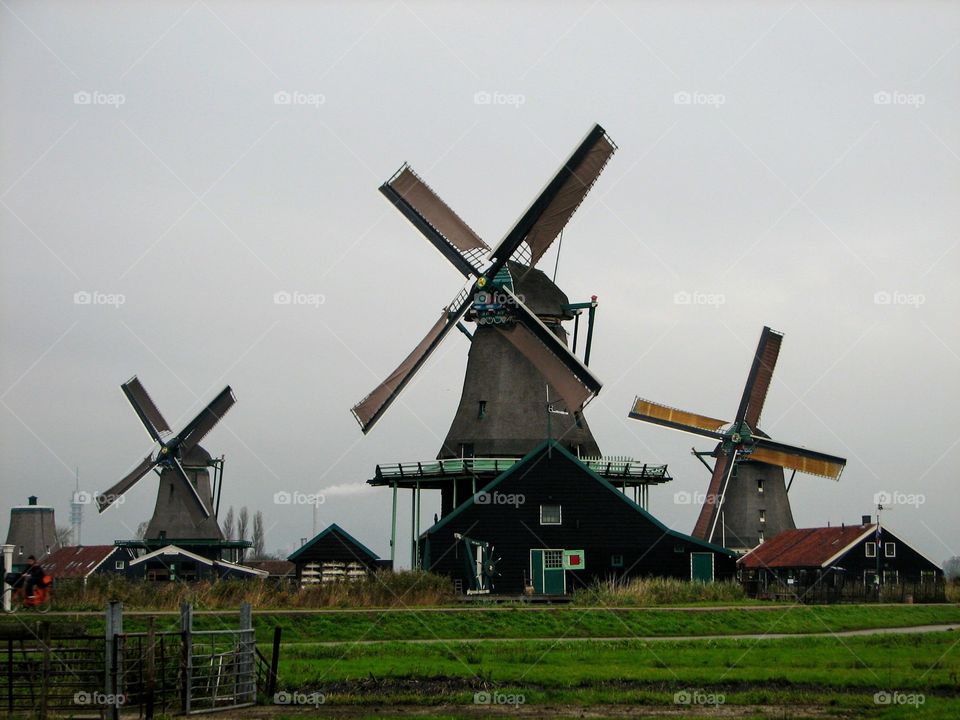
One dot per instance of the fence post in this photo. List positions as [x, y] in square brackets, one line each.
[151, 680]
[247, 687]
[7, 568]
[112, 670]
[274, 664]
[186, 635]
[45, 679]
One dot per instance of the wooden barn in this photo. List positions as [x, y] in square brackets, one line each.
[172, 563]
[551, 524]
[333, 555]
[848, 562]
[79, 563]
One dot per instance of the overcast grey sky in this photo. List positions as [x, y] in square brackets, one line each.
[758, 170]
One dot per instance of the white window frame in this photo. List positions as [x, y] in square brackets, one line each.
[870, 549]
[118, 564]
[559, 514]
[889, 549]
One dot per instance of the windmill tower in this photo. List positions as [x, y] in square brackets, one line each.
[518, 350]
[32, 531]
[746, 501]
[185, 511]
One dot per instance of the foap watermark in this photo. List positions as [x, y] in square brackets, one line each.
[95, 297]
[298, 97]
[898, 297]
[714, 300]
[99, 698]
[694, 498]
[888, 499]
[296, 697]
[85, 497]
[298, 498]
[895, 97]
[895, 697]
[685, 97]
[698, 697]
[95, 97]
[497, 297]
[285, 297]
[485, 697]
[495, 97]
[499, 498]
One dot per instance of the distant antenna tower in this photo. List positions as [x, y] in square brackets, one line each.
[76, 511]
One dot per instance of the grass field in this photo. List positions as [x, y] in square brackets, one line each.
[571, 661]
[844, 676]
[793, 677]
[559, 622]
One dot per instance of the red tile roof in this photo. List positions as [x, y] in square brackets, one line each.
[76, 562]
[804, 548]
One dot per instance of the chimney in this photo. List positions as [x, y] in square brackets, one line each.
[32, 500]
[865, 519]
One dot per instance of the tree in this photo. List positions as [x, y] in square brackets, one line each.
[259, 552]
[228, 525]
[243, 523]
[951, 568]
[64, 535]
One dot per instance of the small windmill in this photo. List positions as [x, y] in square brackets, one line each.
[519, 343]
[185, 508]
[746, 501]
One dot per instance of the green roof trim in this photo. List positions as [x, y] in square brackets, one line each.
[332, 528]
[556, 446]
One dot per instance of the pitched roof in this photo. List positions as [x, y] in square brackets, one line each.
[174, 551]
[557, 447]
[76, 562]
[335, 529]
[274, 568]
[806, 548]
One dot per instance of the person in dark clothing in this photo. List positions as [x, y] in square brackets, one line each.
[33, 575]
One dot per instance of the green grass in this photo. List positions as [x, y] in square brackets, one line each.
[812, 671]
[558, 622]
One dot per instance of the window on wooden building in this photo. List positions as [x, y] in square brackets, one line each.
[871, 549]
[763, 516]
[760, 485]
[552, 559]
[616, 561]
[550, 515]
[889, 549]
[482, 409]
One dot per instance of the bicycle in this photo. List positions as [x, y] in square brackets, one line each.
[41, 600]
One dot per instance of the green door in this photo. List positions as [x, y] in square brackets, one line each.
[701, 566]
[546, 572]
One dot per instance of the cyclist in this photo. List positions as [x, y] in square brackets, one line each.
[33, 577]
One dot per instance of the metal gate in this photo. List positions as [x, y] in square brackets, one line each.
[219, 666]
[49, 669]
[59, 668]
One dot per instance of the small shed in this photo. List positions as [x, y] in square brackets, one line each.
[333, 555]
[846, 562]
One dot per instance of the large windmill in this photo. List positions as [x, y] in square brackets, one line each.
[746, 500]
[519, 345]
[185, 512]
